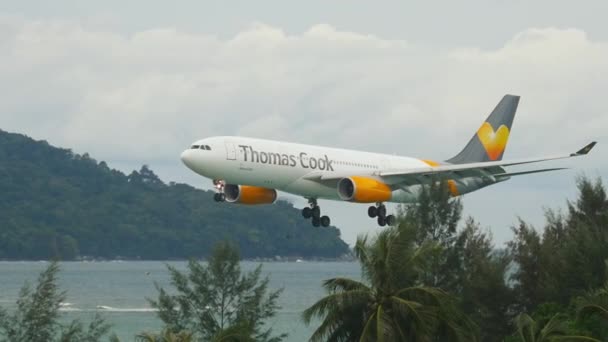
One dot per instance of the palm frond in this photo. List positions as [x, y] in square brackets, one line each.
[413, 315]
[379, 324]
[592, 309]
[344, 284]
[574, 339]
[526, 327]
[366, 335]
[556, 326]
[336, 301]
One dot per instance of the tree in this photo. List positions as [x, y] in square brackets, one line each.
[436, 216]
[556, 329]
[525, 249]
[593, 310]
[235, 333]
[165, 336]
[569, 257]
[592, 203]
[436, 212]
[483, 292]
[389, 305]
[37, 317]
[596, 303]
[467, 265]
[215, 298]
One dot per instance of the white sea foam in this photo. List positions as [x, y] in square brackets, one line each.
[113, 309]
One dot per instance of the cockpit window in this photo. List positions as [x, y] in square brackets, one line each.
[202, 147]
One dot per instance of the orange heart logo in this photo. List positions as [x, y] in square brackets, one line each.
[494, 142]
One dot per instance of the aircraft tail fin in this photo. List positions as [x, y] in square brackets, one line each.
[490, 140]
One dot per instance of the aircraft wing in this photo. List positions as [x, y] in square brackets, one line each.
[462, 170]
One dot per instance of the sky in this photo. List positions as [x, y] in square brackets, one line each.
[136, 82]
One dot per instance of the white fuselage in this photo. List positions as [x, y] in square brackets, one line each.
[286, 166]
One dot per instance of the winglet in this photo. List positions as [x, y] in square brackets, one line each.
[584, 150]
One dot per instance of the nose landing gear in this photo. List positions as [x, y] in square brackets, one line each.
[219, 186]
[379, 211]
[313, 212]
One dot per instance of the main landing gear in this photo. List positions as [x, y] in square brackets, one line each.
[379, 211]
[313, 211]
[219, 186]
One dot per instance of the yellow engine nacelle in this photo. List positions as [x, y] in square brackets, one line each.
[245, 194]
[363, 190]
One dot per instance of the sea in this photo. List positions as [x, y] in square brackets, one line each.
[118, 290]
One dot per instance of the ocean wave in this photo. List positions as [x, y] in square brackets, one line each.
[69, 309]
[113, 309]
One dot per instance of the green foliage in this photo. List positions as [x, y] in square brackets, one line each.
[436, 217]
[595, 303]
[165, 336]
[390, 305]
[482, 288]
[57, 204]
[234, 333]
[569, 258]
[525, 249]
[466, 264]
[217, 301]
[436, 213]
[593, 312]
[556, 329]
[37, 317]
[556, 269]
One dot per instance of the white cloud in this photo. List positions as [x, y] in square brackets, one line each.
[143, 97]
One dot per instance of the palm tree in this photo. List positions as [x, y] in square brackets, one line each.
[235, 333]
[595, 303]
[390, 305]
[556, 329]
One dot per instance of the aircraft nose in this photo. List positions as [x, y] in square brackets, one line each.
[187, 158]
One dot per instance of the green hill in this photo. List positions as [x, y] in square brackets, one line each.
[55, 203]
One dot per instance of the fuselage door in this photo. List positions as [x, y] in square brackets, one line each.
[230, 150]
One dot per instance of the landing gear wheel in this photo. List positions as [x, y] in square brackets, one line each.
[372, 211]
[381, 221]
[382, 211]
[390, 220]
[325, 221]
[219, 197]
[307, 212]
[316, 212]
[316, 221]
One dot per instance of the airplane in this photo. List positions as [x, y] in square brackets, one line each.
[250, 171]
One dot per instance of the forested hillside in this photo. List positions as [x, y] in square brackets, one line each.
[54, 203]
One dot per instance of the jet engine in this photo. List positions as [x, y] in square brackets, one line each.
[363, 190]
[245, 194]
